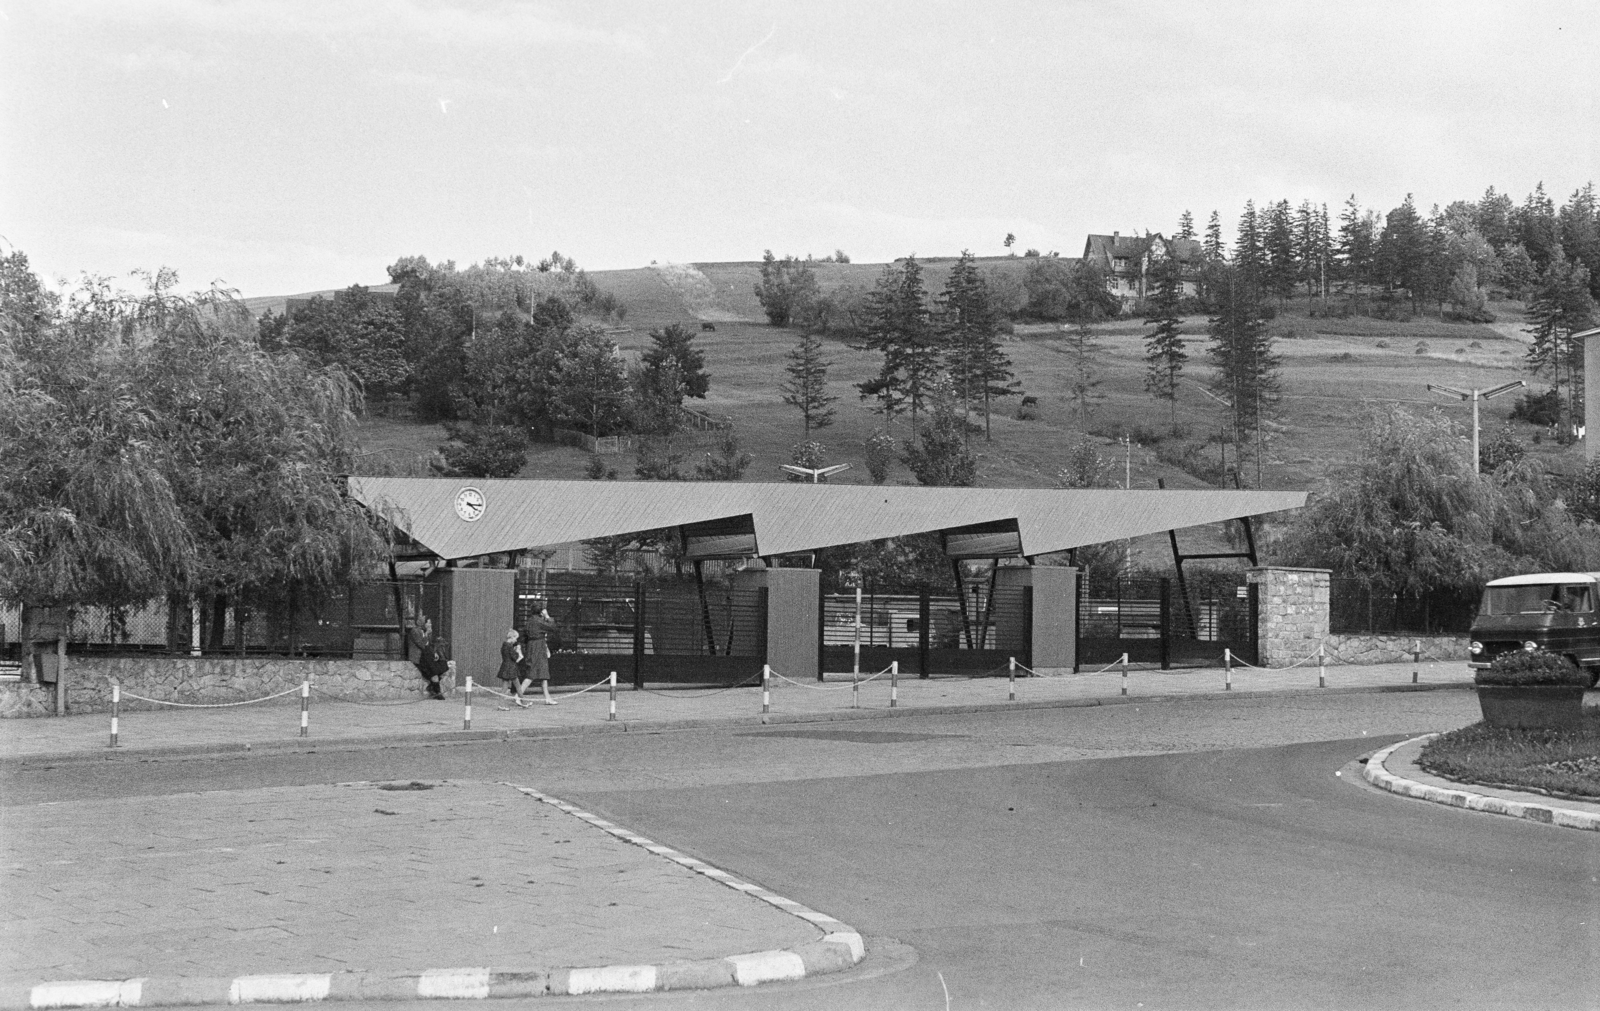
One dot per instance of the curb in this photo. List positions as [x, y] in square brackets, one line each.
[839, 948]
[311, 744]
[1375, 773]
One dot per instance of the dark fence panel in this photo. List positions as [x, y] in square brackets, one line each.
[1160, 620]
[1355, 607]
[976, 631]
[361, 622]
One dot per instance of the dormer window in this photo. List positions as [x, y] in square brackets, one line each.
[1120, 263]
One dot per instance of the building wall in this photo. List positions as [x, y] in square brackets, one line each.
[793, 617]
[477, 607]
[1054, 621]
[212, 680]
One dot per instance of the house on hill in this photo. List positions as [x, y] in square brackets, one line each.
[1127, 260]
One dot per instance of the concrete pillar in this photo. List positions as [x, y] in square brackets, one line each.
[1054, 621]
[793, 618]
[476, 609]
[1293, 616]
[1591, 390]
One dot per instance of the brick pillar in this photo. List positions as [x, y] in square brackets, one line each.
[1293, 619]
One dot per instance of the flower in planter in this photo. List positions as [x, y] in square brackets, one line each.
[1531, 667]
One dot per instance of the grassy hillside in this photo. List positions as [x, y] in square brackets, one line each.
[1331, 368]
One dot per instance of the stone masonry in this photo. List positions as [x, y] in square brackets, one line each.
[212, 680]
[1293, 616]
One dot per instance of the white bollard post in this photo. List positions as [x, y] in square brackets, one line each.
[1416, 659]
[466, 712]
[856, 664]
[894, 683]
[116, 703]
[766, 691]
[612, 717]
[305, 707]
[1227, 677]
[1011, 692]
[1124, 673]
[1322, 667]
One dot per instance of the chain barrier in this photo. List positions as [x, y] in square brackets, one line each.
[379, 705]
[208, 705]
[752, 679]
[831, 688]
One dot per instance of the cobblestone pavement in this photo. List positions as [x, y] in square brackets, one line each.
[344, 878]
[278, 723]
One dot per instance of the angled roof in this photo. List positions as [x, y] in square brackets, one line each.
[787, 518]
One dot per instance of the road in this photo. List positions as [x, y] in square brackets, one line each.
[1188, 855]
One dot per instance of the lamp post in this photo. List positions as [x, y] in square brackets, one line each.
[1476, 395]
[816, 474]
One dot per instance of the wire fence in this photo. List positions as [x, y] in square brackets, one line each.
[1356, 607]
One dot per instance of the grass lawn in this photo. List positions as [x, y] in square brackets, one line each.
[1562, 764]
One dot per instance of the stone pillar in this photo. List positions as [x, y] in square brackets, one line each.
[1293, 616]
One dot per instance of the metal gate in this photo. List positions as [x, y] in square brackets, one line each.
[1157, 621]
[975, 632]
[674, 631]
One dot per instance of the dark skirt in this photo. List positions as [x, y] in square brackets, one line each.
[535, 660]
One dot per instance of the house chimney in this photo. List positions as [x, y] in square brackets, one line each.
[1115, 236]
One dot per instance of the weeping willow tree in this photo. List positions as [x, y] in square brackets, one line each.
[1409, 514]
[151, 447]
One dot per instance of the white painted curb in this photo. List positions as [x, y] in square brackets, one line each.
[1376, 774]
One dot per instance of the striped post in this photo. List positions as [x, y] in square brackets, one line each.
[894, 683]
[466, 711]
[856, 661]
[612, 716]
[305, 707]
[1227, 677]
[1124, 673]
[766, 691]
[116, 703]
[1416, 659]
[1011, 694]
[1322, 667]
[855, 690]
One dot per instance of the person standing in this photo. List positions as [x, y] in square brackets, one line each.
[536, 650]
[511, 665]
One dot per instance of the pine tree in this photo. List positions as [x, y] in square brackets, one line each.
[807, 388]
[1186, 226]
[1355, 257]
[1403, 251]
[1278, 245]
[1245, 370]
[900, 327]
[1248, 255]
[978, 365]
[1561, 306]
[1214, 251]
[1164, 347]
[1305, 242]
[1083, 371]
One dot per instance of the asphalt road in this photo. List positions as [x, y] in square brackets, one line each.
[994, 861]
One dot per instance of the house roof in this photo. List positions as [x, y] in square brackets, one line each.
[1107, 247]
[785, 518]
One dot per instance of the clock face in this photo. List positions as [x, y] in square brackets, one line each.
[469, 504]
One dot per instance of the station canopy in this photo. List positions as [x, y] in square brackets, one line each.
[455, 518]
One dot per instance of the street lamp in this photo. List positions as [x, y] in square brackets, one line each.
[1475, 396]
[815, 473]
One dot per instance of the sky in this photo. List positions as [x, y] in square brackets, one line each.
[280, 146]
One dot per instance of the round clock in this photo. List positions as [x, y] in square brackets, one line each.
[469, 504]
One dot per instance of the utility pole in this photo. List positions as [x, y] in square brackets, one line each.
[1476, 395]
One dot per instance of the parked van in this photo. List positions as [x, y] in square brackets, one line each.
[1552, 611]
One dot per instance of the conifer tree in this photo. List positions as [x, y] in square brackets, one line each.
[978, 365]
[1245, 369]
[899, 326]
[1214, 251]
[1248, 255]
[1356, 245]
[1561, 306]
[1186, 226]
[1278, 247]
[1164, 347]
[807, 388]
[1083, 375]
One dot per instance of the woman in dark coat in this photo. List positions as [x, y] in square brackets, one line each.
[511, 665]
[536, 651]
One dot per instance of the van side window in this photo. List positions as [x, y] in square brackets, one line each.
[1576, 598]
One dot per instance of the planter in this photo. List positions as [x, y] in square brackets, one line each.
[1527, 707]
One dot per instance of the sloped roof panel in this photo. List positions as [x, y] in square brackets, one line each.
[788, 518]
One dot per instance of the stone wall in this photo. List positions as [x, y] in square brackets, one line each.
[182, 679]
[1363, 648]
[1293, 615]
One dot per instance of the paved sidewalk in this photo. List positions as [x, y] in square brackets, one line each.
[364, 881]
[276, 725]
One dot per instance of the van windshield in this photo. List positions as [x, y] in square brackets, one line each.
[1546, 598]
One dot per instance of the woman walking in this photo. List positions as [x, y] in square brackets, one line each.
[536, 650]
[511, 658]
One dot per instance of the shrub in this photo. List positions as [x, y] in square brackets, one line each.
[1531, 667]
[481, 451]
[1538, 408]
